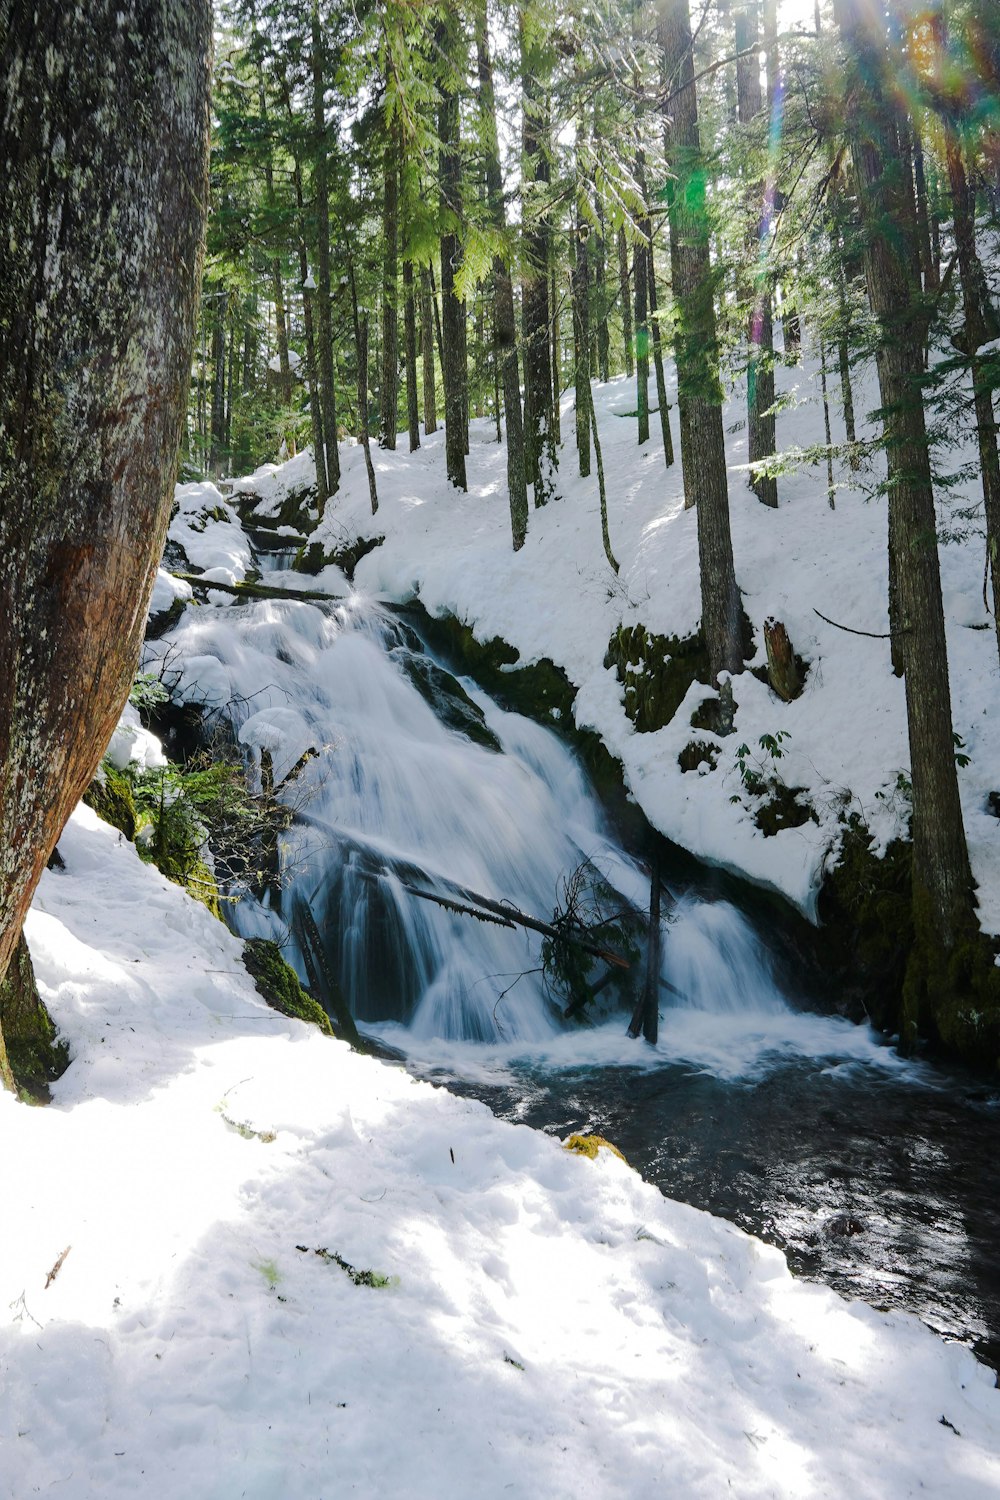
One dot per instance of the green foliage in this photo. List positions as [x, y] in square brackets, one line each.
[589, 911]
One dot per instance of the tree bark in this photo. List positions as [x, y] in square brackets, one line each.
[389, 386]
[98, 299]
[410, 328]
[453, 330]
[324, 293]
[505, 325]
[761, 435]
[703, 453]
[312, 375]
[625, 299]
[661, 380]
[941, 876]
[975, 305]
[539, 404]
[427, 351]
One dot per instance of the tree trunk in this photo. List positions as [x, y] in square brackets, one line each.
[975, 305]
[361, 347]
[453, 330]
[661, 379]
[410, 327]
[703, 452]
[95, 365]
[504, 320]
[389, 387]
[427, 351]
[601, 282]
[539, 412]
[220, 300]
[581, 322]
[941, 876]
[640, 286]
[324, 293]
[312, 376]
[626, 303]
[761, 436]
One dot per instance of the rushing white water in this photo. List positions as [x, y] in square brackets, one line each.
[395, 799]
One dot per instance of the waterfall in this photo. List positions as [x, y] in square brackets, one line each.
[402, 777]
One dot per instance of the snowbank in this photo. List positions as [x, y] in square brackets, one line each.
[550, 1325]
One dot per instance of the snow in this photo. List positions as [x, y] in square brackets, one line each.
[208, 530]
[133, 744]
[551, 1325]
[294, 360]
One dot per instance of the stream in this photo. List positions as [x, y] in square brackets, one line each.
[878, 1176]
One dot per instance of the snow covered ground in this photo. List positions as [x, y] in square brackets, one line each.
[550, 1325]
[559, 598]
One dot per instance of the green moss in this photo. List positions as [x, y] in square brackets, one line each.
[278, 984]
[347, 558]
[656, 672]
[696, 751]
[110, 795]
[590, 1145]
[866, 911]
[35, 1056]
[785, 808]
[310, 558]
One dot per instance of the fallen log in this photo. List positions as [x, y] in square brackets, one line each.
[509, 916]
[255, 590]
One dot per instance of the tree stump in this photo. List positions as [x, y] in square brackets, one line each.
[782, 668]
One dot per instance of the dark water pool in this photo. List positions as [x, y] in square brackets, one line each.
[884, 1188]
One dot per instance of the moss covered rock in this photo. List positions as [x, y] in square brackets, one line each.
[278, 984]
[656, 672]
[35, 1056]
[110, 795]
[590, 1145]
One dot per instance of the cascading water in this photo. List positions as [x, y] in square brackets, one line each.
[418, 781]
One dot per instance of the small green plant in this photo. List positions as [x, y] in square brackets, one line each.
[147, 692]
[961, 758]
[269, 1270]
[755, 774]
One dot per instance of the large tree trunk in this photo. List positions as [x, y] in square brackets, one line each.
[98, 294]
[941, 877]
[504, 319]
[703, 452]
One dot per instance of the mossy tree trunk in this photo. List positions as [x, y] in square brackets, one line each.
[942, 881]
[103, 187]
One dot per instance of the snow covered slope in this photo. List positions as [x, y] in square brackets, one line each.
[551, 1325]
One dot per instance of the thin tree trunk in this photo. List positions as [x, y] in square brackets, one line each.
[601, 282]
[761, 434]
[581, 322]
[220, 303]
[410, 329]
[539, 403]
[504, 322]
[312, 377]
[661, 380]
[427, 348]
[975, 302]
[830, 495]
[453, 329]
[703, 452]
[640, 285]
[556, 352]
[327, 387]
[361, 347]
[625, 300]
[389, 385]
